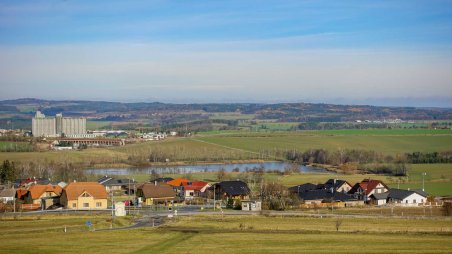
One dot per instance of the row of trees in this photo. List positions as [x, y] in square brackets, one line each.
[67, 172]
[435, 157]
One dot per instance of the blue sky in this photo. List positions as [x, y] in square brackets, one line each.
[228, 51]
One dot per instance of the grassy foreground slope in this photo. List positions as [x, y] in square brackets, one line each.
[238, 234]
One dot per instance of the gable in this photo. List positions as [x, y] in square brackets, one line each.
[85, 195]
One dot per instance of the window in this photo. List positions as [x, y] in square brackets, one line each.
[406, 201]
[414, 201]
[86, 205]
[74, 205]
[98, 204]
[422, 200]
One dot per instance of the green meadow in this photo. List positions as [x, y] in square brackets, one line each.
[232, 234]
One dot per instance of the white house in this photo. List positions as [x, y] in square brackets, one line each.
[379, 198]
[406, 197]
[7, 195]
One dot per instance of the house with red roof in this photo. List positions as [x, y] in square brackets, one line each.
[367, 187]
[43, 195]
[194, 189]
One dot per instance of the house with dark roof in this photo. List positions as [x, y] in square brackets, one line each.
[84, 195]
[303, 188]
[161, 179]
[406, 197]
[232, 189]
[126, 186]
[379, 198]
[325, 196]
[338, 185]
[155, 193]
[27, 182]
[366, 188]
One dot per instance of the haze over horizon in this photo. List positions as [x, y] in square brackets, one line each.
[388, 53]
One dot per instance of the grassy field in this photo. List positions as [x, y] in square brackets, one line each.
[247, 146]
[95, 125]
[235, 234]
[6, 146]
[386, 144]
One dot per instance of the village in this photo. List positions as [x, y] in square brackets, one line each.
[108, 194]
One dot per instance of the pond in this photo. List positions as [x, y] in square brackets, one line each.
[242, 167]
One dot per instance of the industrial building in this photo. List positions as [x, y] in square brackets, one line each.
[57, 126]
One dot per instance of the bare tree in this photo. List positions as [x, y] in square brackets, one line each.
[338, 224]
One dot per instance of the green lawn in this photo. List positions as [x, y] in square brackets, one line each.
[236, 234]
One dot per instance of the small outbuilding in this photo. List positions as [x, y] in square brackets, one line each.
[250, 205]
[120, 209]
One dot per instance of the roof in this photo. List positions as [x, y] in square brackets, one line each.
[234, 188]
[177, 182]
[367, 185]
[380, 196]
[109, 181]
[335, 183]
[20, 193]
[33, 180]
[36, 191]
[303, 187]
[151, 190]
[325, 194]
[8, 193]
[74, 190]
[195, 185]
[162, 179]
[402, 194]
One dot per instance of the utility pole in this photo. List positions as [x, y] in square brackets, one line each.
[423, 187]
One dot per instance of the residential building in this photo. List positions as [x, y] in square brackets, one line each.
[43, 195]
[325, 196]
[338, 185]
[379, 198]
[400, 197]
[7, 195]
[194, 189]
[232, 189]
[126, 186]
[367, 187]
[154, 193]
[84, 195]
[302, 188]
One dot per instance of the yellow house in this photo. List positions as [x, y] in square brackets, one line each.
[84, 195]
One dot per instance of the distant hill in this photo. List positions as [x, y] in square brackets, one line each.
[155, 113]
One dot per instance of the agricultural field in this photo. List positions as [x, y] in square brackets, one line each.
[233, 234]
[391, 143]
[96, 125]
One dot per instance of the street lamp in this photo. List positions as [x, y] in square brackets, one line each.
[423, 184]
